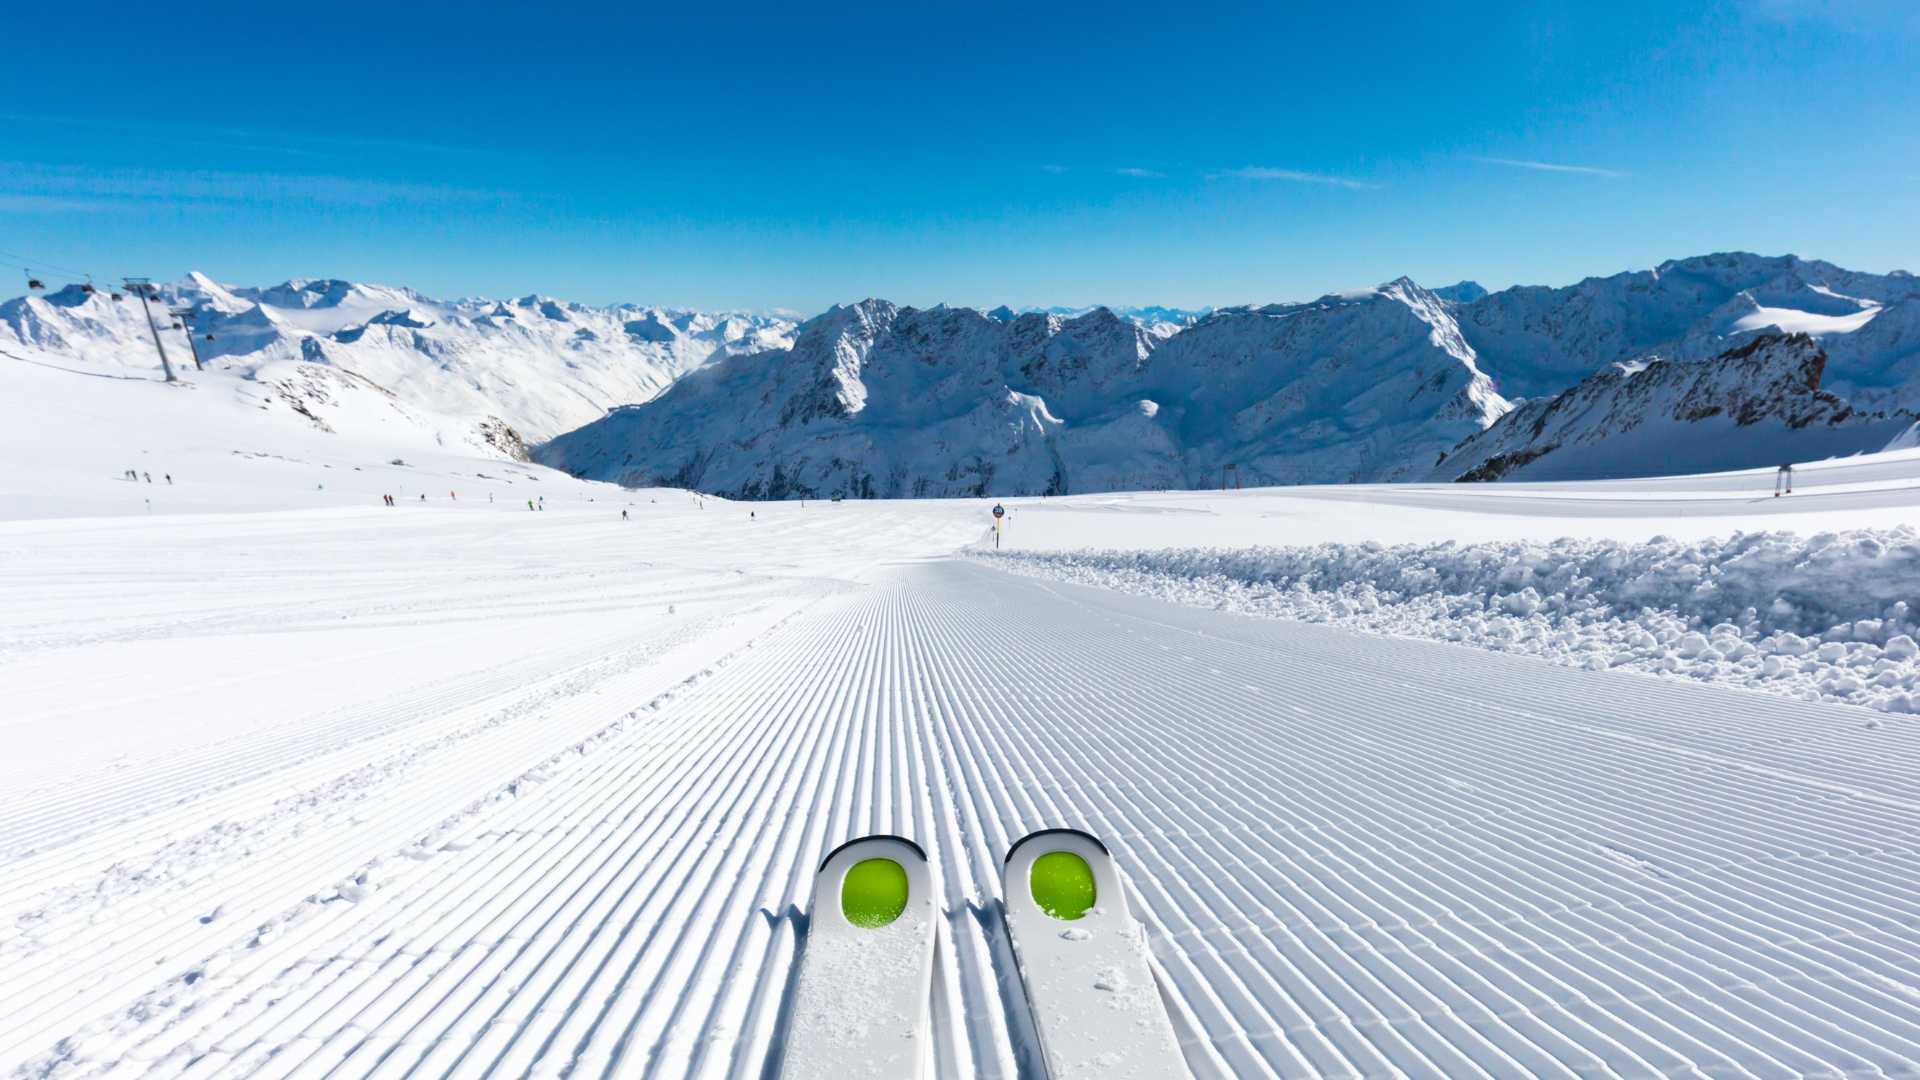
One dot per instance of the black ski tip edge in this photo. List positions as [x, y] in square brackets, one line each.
[1054, 832]
[917, 849]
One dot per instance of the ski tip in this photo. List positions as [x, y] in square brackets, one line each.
[917, 849]
[1043, 833]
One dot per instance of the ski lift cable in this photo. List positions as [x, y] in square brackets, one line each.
[26, 264]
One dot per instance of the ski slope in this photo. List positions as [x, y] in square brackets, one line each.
[459, 788]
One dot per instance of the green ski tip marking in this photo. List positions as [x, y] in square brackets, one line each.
[874, 893]
[1062, 884]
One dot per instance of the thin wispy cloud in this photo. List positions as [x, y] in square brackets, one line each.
[1054, 169]
[81, 184]
[1862, 17]
[1552, 166]
[278, 142]
[1296, 176]
[1136, 171]
[50, 204]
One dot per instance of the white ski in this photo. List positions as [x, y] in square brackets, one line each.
[866, 978]
[1089, 982]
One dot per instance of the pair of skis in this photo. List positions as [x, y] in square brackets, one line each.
[866, 979]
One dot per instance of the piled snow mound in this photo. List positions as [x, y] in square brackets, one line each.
[1829, 617]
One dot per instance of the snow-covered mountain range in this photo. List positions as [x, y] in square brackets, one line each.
[542, 366]
[1396, 382]
[1372, 385]
[880, 400]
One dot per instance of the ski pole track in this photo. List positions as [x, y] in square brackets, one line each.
[1354, 856]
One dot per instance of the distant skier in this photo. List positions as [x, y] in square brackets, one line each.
[1783, 479]
[529, 504]
[423, 496]
[623, 515]
[149, 477]
[169, 479]
[453, 496]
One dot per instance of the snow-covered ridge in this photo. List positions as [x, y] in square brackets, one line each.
[880, 400]
[1537, 340]
[1754, 405]
[1826, 617]
[541, 364]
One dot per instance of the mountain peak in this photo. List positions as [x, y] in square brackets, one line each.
[1461, 292]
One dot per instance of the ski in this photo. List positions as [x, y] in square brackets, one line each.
[866, 979]
[1089, 982]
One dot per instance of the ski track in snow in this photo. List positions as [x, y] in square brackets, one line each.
[1355, 857]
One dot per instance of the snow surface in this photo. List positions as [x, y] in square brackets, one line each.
[287, 435]
[301, 784]
[1803, 322]
[563, 811]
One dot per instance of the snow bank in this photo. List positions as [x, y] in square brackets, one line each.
[1828, 617]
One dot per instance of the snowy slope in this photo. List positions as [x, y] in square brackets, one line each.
[542, 365]
[563, 816]
[876, 400]
[278, 434]
[1758, 404]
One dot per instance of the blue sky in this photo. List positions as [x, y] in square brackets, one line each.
[1183, 155]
